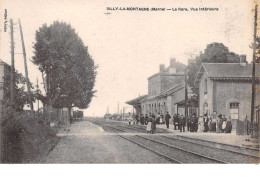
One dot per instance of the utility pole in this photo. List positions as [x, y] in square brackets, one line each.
[26, 69]
[123, 113]
[37, 99]
[12, 63]
[253, 76]
[186, 96]
[118, 109]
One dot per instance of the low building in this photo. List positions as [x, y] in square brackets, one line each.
[165, 90]
[226, 88]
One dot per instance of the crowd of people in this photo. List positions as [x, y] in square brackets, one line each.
[193, 124]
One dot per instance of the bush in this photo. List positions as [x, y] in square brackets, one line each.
[25, 139]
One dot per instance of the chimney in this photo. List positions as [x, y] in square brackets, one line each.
[162, 68]
[172, 62]
[242, 60]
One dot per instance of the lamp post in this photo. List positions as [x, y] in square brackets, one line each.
[253, 77]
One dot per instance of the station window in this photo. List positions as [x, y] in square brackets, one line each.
[234, 110]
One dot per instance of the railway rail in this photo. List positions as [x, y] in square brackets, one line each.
[193, 157]
[219, 146]
[178, 145]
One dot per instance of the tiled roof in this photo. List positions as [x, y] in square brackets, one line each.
[226, 71]
[168, 92]
[229, 70]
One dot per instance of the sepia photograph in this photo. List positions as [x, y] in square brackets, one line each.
[129, 82]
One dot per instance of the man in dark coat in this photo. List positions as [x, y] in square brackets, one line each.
[206, 121]
[146, 119]
[175, 121]
[167, 119]
[153, 123]
[193, 124]
[188, 123]
[182, 123]
[142, 119]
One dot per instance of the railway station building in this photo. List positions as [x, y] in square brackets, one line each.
[226, 88]
[166, 92]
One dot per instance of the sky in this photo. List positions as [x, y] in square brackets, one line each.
[129, 46]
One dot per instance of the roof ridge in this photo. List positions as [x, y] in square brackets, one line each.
[224, 63]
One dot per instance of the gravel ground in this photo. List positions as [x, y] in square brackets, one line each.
[86, 143]
[214, 153]
[177, 154]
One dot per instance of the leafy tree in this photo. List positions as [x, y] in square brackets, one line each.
[257, 46]
[214, 53]
[65, 64]
[21, 96]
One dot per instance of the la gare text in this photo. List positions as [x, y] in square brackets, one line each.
[160, 9]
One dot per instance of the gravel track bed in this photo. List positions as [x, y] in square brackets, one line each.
[138, 128]
[177, 154]
[219, 145]
[208, 151]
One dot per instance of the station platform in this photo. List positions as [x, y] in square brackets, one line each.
[225, 138]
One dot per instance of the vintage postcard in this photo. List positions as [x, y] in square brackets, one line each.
[129, 81]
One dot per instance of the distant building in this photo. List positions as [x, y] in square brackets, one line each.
[165, 90]
[226, 88]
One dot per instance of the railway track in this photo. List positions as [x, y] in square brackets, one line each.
[220, 146]
[169, 152]
[217, 143]
[183, 149]
[168, 148]
[133, 128]
[215, 151]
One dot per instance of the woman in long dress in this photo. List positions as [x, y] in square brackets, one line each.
[149, 125]
[200, 124]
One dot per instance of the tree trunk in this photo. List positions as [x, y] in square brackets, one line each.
[69, 115]
[48, 98]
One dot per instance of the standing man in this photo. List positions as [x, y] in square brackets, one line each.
[146, 119]
[182, 124]
[142, 119]
[188, 123]
[206, 121]
[167, 119]
[175, 121]
[158, 118]
[153, 123]
[193, 123]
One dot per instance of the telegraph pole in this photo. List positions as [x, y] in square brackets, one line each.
[186, 96]
[12, 63]
[37, 99]
[118, 108]
[123, 117]
[253, 76]
[26, 69]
